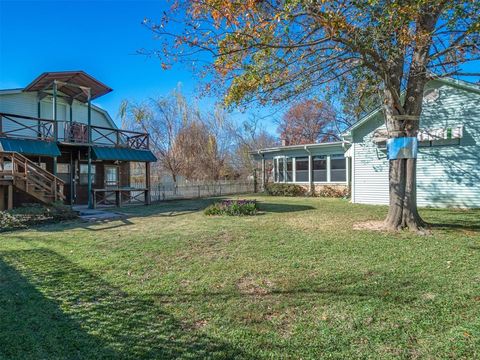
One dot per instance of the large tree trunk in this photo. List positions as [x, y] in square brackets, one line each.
[402, 212]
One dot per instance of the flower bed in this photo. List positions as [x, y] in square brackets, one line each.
[233, 208]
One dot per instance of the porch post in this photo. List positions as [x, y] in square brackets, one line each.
[310, 173]
[294, 170]
[263, 173]
[39, 115]
[72, 178]
[10, 197]
[328, 169]
[89, 129]
[55, 124]
[147, 183]
[2, 197]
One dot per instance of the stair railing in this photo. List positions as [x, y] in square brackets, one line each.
[34, 176]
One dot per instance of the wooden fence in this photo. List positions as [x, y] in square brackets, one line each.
[170, 191]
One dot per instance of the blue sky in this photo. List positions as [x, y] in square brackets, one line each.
[99, 37]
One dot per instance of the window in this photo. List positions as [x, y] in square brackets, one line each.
[289, 169]
[338, 168]
[111, 175]
[63, 172]
[280, 170]
[301, 169]
[320, 168]
[84, 174]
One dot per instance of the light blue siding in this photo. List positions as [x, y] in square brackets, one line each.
[447, 176]
[25, 103]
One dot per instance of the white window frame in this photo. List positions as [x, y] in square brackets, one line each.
[283, 159]
[329, 169]
[327, 158]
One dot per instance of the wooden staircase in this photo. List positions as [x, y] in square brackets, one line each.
[18, 171]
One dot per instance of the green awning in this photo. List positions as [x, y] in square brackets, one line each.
[122, 154]
[30, 147]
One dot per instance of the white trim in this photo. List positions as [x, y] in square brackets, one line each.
[284, 159]
[329, 169]
[347, 169]
[297, 147]
[322, 183]
[294, 170]
[352, 200]
[10, 91]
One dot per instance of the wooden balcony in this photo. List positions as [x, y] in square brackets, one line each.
[26, 127]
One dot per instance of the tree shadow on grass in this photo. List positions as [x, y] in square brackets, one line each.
[98, 225]
[467, 220]
[169, 208]
[283, 208]
[51, 308]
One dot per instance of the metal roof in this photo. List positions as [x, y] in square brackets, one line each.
[122, 154]
[30, 147]
[71, 84]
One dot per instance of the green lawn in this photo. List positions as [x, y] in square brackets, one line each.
[294, 282]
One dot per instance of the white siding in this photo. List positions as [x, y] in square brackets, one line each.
[370, 175]
[25, 103]
[46, 110]
[21, 104]
[80, 114]
[447, 176]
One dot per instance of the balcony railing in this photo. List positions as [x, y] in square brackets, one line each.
[27, 127]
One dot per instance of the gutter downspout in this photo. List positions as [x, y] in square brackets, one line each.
[350, 164]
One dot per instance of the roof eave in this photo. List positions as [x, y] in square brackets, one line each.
[295, 147]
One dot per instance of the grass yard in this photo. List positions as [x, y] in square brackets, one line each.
[294, 282]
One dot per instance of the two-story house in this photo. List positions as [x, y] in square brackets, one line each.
[55, 145]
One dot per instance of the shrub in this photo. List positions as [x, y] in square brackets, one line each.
[233, 208]
[335, 192]
[9, 221]
[285, 190]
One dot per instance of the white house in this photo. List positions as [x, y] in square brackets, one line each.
[448, 162]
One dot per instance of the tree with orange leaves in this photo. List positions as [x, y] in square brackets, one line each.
[276, 50]
[308, 122]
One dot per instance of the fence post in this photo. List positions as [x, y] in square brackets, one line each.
[255, 185]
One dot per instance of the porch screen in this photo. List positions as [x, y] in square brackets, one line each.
[320, 168]
[280, 170]
[289, 169]
[301, 169]
[338, 168]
